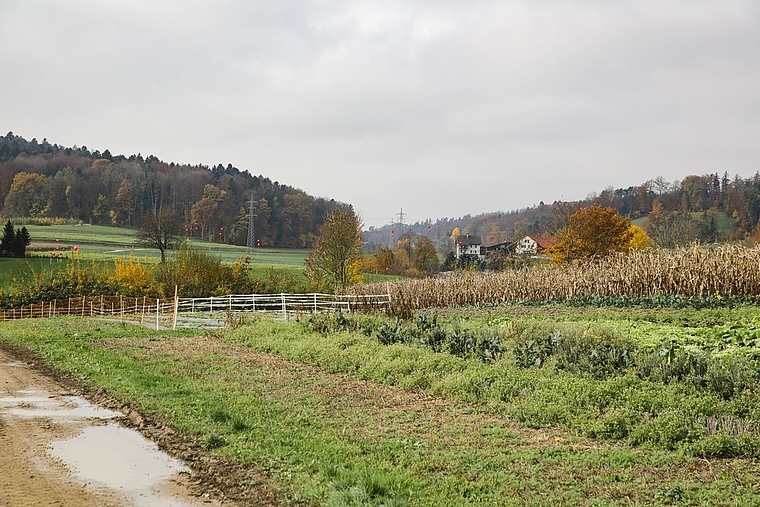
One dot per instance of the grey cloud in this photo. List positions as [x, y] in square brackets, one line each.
[444, 108]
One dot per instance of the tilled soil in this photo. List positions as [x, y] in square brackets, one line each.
[30, 475]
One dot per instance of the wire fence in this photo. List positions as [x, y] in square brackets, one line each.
[197, 312]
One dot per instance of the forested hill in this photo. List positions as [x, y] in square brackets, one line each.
[45, 180]
[706, 208]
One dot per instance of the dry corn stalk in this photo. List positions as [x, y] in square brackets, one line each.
[692, 272]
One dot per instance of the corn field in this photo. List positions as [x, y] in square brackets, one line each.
[690, 272]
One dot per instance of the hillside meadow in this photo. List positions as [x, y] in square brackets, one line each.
[519, 405]
[102, 245]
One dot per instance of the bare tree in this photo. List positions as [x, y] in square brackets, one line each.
[159, 231]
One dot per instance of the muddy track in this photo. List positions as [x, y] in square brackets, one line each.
[213, 480]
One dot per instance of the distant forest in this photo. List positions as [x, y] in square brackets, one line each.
[707, 208]
[47, 181]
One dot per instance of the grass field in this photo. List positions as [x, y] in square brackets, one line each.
[101, 243]
[339, 415]
[15, 270]
[723, 223]
[115, 241]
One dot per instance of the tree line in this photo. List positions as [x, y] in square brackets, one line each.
[706, 208]
[47, 181]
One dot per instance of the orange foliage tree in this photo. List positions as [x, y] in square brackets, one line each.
[592, 232]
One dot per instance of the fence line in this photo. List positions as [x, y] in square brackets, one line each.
[148, 310]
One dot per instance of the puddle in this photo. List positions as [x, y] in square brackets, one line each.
[120, 459]
[105, 457]
[41, 404]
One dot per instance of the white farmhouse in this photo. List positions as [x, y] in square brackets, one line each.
[533, 245]
[470, 245]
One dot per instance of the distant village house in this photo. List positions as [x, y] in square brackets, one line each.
[470, 245]
[533, 245]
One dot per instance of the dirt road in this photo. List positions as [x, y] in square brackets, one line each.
[57, 449]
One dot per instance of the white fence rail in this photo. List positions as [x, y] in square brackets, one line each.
[284, 303]
[210, 311]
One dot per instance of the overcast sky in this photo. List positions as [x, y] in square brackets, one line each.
[440, 108]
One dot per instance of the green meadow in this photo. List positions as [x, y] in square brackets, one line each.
[104, 244]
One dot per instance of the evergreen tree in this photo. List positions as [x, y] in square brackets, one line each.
[21, 241]
[8, 240]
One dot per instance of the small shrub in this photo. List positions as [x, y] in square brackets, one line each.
[534, 352]
[728, 376]
[197, 273]
[430, 333]
[599, 356]
[489, 348]
[132, 278]
[670, 362]
[388, 334]
[325, 323]
[724, 445]
[461, 342]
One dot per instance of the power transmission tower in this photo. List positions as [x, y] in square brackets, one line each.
[401, 216]
[251, 240]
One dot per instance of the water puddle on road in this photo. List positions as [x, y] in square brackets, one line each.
[41, 404]
[103, 456]
[120, 459]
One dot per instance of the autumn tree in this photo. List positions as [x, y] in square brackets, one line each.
[639, 238]
[125, 202]
[592, 232]
[670, 229]
[495, 236]
[203, 213]
[335, 260]
[159, 231]
[385, 259]
[424, 255]
[27, 195]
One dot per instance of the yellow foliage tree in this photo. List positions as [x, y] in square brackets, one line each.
[132, 278]
[335, 260]
[592, 232]
[639, 238]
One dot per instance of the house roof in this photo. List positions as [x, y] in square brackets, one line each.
[468, 240]
[544, 242]
[507, 245]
